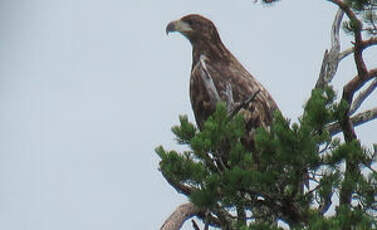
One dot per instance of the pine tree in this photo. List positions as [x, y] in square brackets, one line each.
[301, 165]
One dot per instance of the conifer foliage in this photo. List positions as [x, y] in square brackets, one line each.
[224, 184]
[298, 171]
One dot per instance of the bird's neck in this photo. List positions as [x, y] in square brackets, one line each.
[215, 51]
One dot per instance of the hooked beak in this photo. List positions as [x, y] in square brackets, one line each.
[170, 27]
[178, 26]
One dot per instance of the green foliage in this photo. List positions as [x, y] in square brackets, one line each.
[358, 5]
[185, 132]
[351, 26]
[365, 11]
[218, 131]
[319, 110]
[346, 218]
[218, 174]
[253, 189]
[261, 227]
[181, 167]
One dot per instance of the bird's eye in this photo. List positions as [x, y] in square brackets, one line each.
[190, 22]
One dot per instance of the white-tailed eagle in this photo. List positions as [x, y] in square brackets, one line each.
[217, 75]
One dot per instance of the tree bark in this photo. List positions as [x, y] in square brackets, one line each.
[179, 216]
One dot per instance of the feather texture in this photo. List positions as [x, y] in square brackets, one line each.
[217, 75]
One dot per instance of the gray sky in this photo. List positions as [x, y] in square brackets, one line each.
[88, 89]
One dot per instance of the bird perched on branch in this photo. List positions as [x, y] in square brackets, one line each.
[216, 75]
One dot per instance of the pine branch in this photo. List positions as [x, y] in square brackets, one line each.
[355, 84]
[330, 60]
[329, 68]
[181, 212]
[356, 120]
[366, 43]
[345, 53]
[359, 47]
[370, 42]
[180, 188]
[348, 91]
[365, 116]
[325, 205]
[362, 97]
[179, 216]
[186, 211]
[283, 206]
[195, 225]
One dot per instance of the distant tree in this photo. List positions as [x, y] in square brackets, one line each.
[249, 195]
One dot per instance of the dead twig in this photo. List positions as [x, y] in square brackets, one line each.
[356, 120]
[366, 43]
[242, 105]
[195, 225]
[331, 58]
[362, 97]
[179, 216]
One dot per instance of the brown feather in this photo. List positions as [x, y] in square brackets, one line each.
[223, 68]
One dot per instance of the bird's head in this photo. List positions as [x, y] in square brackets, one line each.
[194, 27]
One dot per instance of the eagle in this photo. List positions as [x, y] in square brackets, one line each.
[216, 75]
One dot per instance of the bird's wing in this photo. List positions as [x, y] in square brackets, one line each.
[204, 93]
[229, 82]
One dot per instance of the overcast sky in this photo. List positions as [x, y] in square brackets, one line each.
[88, 89]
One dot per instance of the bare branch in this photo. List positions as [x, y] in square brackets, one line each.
[365, 44]
[325, 204]
[195, 225]
[369, 42]
[345, 53]
[362, 96]
[186, 211]
[363, 75]
[321, 82]
[356, 83]
[364, 117]
[206, 225]
[233, 111]
[179, 216]
[187, 190]
[331, 59]
[348, 91]
[356, 120]
[335, 43]
[359, 47]
[180, 188]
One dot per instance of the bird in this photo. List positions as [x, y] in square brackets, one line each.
[216, 75]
